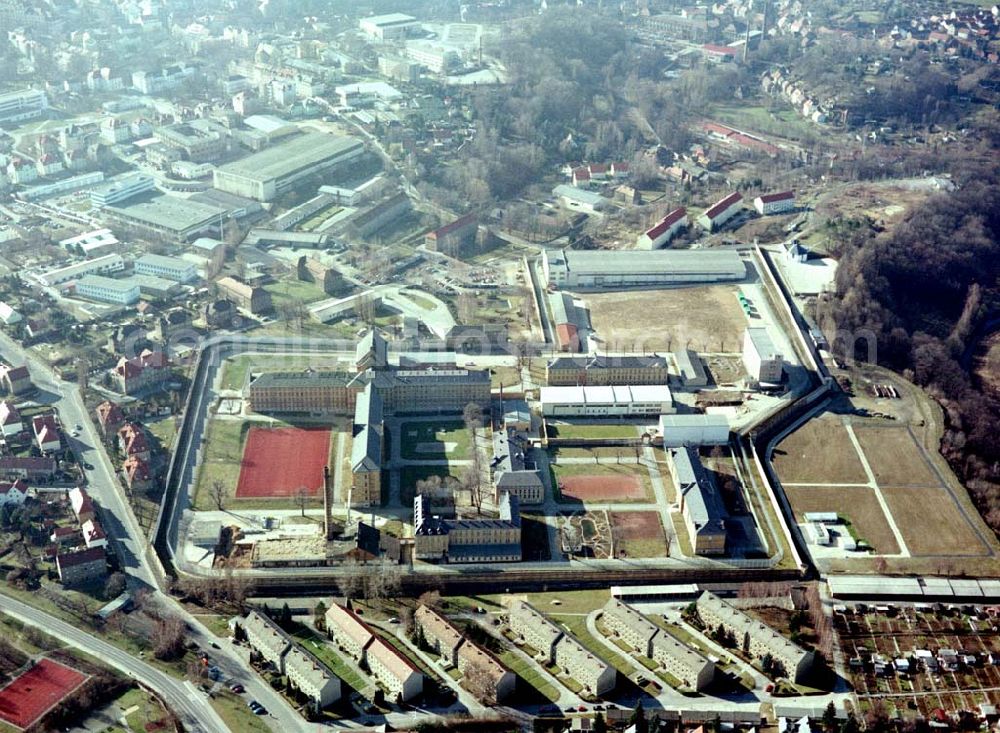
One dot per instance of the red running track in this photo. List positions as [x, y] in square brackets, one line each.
[277, 462]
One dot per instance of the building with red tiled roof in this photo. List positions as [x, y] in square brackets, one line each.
[109, 417]
[137, 474]
[721, 211]
[10, 420]
[452, 238]
[774, 203]
[27, 467]
[664, 230]
[94, 534]
[82, 504]
[83, 566]
[132, 441]
[719, 54]
[13, 493]
[16, 380]
[48, 436]
[148, 370]
[581, 176]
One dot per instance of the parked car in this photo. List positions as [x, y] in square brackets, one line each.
[237, 688]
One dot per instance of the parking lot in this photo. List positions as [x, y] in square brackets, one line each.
[917, 659]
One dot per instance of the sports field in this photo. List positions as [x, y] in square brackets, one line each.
[277, 462]
[602, 482]
[29, 696]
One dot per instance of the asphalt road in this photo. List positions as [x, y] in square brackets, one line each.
[190, 705]
[128, 540]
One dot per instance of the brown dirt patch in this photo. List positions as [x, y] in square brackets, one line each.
[820, 451]
[707, 318]
[931, 523]
[601, 487]
[858, 504]
[640, 534]
[895, 457]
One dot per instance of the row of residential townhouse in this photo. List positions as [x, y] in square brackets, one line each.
[554, 646]
[491, 682]
[305, 672]
[758, 639]
[400, 678]
[677, 659]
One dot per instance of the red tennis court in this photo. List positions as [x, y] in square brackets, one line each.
[597, 487]
[277, 462]
[29, 696]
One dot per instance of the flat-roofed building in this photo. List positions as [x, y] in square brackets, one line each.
[276, 170]
[701, 504]
[388, 27]
[763, 362]
[761, 640]
[105, 265]
[121, 189]
[107, 290]
[694, 429]
[91, 244]
[690, 368]
[625, 269]
[171, 268]
[26, 104]
[171, 216]
[606, 370]
[606, 401]
[250, 298]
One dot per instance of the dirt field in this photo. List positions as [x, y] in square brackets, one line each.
[819, 452]
[894, 457]
[278, 462]
[857, 503]
[931, 523]
[640, 534]
[707, 318]
[601, 487]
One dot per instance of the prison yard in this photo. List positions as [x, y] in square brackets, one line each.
[706, 318]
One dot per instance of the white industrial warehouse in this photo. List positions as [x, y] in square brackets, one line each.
[607, 401]
[582, 269]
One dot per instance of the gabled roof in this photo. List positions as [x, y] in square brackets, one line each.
[666, 222]
[109, 413]
[723, 205]
[437, 626]
[136, 469]
[349, 623]
[770, 198]
[18, 485]
[9, 414]
[82, 557]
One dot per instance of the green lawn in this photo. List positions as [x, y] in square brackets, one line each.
[530, 674]
[681, 535]
[292, 289]
[233, 710]
[592, 432]
[220, 460]
[332, 657]
[434, 440]
[163, 429]
[781, 120]
[409, 475]
[148, 709]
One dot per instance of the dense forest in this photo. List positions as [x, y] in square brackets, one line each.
[925, 289]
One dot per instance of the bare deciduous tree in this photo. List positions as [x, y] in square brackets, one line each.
[217, 490]
[481, 682]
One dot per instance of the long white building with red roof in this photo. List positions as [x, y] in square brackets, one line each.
[664, 230]
[721, 211]
[774, 203]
